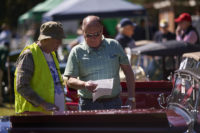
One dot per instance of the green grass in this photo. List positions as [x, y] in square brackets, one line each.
[8, 110]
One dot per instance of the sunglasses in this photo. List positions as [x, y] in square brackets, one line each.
[97, 34]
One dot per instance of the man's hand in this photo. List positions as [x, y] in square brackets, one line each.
[49, 107]
[90, 86]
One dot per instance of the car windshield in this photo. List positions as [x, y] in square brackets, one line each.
[185, 93]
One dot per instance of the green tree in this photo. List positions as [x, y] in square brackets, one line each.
[10, 10]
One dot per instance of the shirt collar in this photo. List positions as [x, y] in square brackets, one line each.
[89, 49]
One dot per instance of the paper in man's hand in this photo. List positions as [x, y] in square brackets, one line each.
[104, 87]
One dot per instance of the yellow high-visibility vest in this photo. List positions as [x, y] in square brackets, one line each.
[42, 81]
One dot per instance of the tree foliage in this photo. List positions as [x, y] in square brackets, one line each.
[10, 10]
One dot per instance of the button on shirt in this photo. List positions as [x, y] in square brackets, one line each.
[94, 64]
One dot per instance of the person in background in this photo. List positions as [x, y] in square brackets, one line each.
[38, 83]
[140, 30]
[154, 69]
[5, 35]
[5, 39]
[124, 37]
[126, 30]
[78, 40]
[164, 34]
[185, 31]
[3, 58]
[95, 59]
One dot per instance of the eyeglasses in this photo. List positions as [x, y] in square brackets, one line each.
[97, 34]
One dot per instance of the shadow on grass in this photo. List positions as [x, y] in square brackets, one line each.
[8, 110]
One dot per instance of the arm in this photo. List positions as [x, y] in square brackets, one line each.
[25, 69]
[75, 83]
[79, 84]
[72, 72]
[178, 33]
[130, 84]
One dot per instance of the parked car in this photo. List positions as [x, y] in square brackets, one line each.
[184, 99]
[146, 94]
[180, 113]
[163, 58]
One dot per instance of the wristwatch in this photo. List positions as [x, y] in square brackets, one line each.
[131, 99]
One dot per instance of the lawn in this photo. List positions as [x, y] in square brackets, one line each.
[7, 110]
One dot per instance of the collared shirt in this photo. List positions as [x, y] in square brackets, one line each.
[94, 64]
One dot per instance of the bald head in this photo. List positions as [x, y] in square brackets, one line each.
[92, 31]
[91, 21]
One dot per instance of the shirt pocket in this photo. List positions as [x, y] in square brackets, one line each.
[112, 62]
[113, 59]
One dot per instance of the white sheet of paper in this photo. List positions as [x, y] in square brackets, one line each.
[104, 87]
